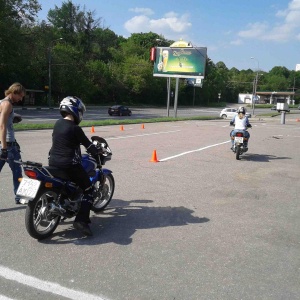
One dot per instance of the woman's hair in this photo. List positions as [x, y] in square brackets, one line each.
[15, 88]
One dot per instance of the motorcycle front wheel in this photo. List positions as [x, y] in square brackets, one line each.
[39, 222]
[103, 194]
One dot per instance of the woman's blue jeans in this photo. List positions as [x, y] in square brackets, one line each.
[13, 154]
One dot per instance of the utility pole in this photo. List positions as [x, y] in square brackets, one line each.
[254, 97]
[49, 63]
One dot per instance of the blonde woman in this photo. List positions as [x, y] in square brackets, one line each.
[9, 148]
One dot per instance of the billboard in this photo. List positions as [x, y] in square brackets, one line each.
[181, 62]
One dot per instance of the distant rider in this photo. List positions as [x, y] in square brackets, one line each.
[241, 123]
[65, 154]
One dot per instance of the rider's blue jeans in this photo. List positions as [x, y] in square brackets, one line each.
[13, 154]
[233, 132]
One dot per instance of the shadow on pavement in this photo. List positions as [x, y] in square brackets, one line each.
[17, 207]
[120, 221]
[262, 157]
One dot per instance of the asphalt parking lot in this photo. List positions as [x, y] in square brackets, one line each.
[198, 224]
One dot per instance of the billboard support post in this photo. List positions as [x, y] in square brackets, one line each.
[176, 97]
[194, 96]
[169, 92]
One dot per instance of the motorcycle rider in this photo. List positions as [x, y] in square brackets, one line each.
[65, 154]
[241, 123]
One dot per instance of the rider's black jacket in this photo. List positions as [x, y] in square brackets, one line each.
[66, 140]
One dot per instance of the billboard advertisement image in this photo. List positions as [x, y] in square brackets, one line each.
[180, 62]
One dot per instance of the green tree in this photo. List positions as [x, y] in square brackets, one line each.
[16, 19]
[275, 83]
[100, 66]
[68, 19]
[280, 71]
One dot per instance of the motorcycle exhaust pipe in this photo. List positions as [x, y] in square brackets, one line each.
[57, 210]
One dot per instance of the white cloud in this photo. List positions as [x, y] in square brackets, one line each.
[237, 42]
[255, 30]
[137, 24]
[143, 11]
[285, 30]
[171, 14]
[171, 23]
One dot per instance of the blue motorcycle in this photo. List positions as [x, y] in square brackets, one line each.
[50, 195]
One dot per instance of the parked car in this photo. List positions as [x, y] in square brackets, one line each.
[229, 113]
[119, 110]
[274, 107]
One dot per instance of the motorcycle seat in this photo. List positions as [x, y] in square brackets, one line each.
[56, 172]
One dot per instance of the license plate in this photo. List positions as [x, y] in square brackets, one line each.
[28, 188]
[238, 139]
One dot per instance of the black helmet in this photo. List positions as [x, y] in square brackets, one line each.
[241, 110]
[74, 106]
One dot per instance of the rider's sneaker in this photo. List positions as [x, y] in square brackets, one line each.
[21, 201]
[83, 228]
[245, 149]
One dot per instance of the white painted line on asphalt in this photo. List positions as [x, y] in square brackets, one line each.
[45, 286]
[188, 152]
[4, 298]
[139, 135]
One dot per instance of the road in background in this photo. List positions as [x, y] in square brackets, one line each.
[46, 115]
[197, 225]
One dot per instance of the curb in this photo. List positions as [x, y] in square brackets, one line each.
[50, 108]
[34, 108]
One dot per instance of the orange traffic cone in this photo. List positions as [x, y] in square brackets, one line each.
[92, 129]
[121, 128]
[143, 127]
[154, 157]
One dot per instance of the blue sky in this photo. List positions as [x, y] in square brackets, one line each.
[233, 31]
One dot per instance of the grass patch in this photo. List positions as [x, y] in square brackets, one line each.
[268, 115]
[20, 127]
[270, 105]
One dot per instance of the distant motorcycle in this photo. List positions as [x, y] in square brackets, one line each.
[50, 195]
[240, 144]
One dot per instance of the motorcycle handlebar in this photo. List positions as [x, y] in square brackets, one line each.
[248, 126]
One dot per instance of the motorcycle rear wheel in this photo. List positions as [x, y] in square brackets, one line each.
[39, 222]
[103, 194]
[237, 151]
